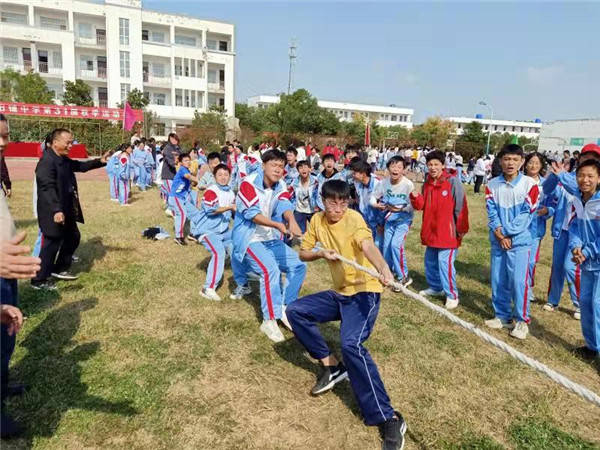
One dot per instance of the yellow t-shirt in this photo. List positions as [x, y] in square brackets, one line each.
[194, 171]
[345, 237]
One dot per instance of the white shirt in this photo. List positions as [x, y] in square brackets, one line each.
[373, 154]
[301, 153]
[399, 190]
[303, 197]
[262, 233]
[479, 169]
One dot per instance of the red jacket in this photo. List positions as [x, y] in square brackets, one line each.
[445, 211]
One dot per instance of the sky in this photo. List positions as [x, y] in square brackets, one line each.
[527, 60]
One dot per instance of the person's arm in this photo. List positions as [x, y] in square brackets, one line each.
[210, 204]
[84, 166]
[47, 188]
[461, 209]
[374, 256]
[189, 176]
[376, 196]
[418, 200]
[5, 177]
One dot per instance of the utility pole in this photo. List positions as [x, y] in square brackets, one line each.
[292, 55]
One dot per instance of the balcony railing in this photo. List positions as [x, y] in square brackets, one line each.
[158, 81]
[103, 103]
[100, 73]
[216, 86]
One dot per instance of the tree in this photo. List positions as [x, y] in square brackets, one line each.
[434, 132]
[209, 128]
[299, 112]
[29, 88]
[78, 93]
[473, 132]
[9, 80]
[136, 99]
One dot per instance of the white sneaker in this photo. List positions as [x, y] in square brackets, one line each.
[497, 324]
[210, 294]
[124, 204]
[114, 199]
[577, 314]
[240, 291]
[549, 307]
[451, 303]
[169, 213]
[270, 328]
[284, 319]
[520, 330]
[430, 292]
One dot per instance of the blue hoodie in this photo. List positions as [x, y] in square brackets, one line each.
[584, 232]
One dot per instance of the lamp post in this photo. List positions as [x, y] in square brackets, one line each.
[487, 148]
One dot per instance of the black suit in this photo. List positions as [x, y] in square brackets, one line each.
[57, 192]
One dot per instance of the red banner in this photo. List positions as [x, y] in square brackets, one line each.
[70, 112]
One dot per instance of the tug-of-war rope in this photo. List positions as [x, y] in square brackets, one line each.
[578, 389]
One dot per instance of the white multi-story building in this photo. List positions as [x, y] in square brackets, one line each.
[181, 63]
[561, 135]
[518, 127]
[385, 115]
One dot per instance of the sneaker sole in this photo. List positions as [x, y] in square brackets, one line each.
[41, 288]
[203, 295]
[62, 277]
[331, 384]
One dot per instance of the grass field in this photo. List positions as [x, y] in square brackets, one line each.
[129, 356]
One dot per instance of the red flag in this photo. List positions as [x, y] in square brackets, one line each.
[368, 135]
[128, 117]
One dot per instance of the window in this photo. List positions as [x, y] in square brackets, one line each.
[576, 141]
[125, 89]
[178, 98]
[10, 54]
[185, 40]
[124, 63]
[57, 59]
[200, 70]
[187, 98]
[85, 30]
[200, 99]
[211, 44]
[86, 62]
[102, 97]
[193, 68]
[193, 99]
[495, 127]
[394, 118]
[52, 23]
[159, 129]
[223, 46]
[158, 70]
[158, 36]
[145, 35]
[178, 68]
[10, 17]
[124, 31]
[160, 99]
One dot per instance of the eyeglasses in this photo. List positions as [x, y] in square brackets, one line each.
[336, 204]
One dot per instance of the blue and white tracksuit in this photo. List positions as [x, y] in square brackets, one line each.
[138, 159]
[180, 195]
[290, 175]
[511, 206]
[122, 175]
[538, 231]
[396, 224]
[149, 165]
[245, 166]
[261, 249]
[563, 267]
[372, 216]
[212, 229]
[321, 179]
[584, 234]
[112, 166]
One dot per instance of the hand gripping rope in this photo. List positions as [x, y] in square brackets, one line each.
[553, 375]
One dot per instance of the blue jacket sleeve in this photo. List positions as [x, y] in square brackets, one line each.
[574, 236]
[492, 210]
[569, 182]
[550, 184]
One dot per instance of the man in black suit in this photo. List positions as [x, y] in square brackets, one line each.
[58, 208]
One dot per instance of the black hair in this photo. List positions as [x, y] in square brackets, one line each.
[511, 149]
[292, 150]
[57, 132]
[273, 155]
[302, 163]
[137, 142]
[328, 156]
[350, 148]
[436, 154]
[336, 190]
[567, 151]
[213, 155]
[256, 147]
[542, 158]
[591, 163]
[3, 118]
[174, 135]
[394, 160]
[183, 155]
[576, 152]
[221, 166]
[151, 141]
[360, 166]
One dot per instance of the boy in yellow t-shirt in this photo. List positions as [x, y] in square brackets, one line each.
[354, 300]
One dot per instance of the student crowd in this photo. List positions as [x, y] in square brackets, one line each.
[361, 204]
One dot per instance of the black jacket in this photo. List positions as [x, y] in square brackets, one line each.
[4, 176]
[57, 190]
[170, 153]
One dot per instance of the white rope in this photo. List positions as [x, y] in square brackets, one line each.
[550, 373]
